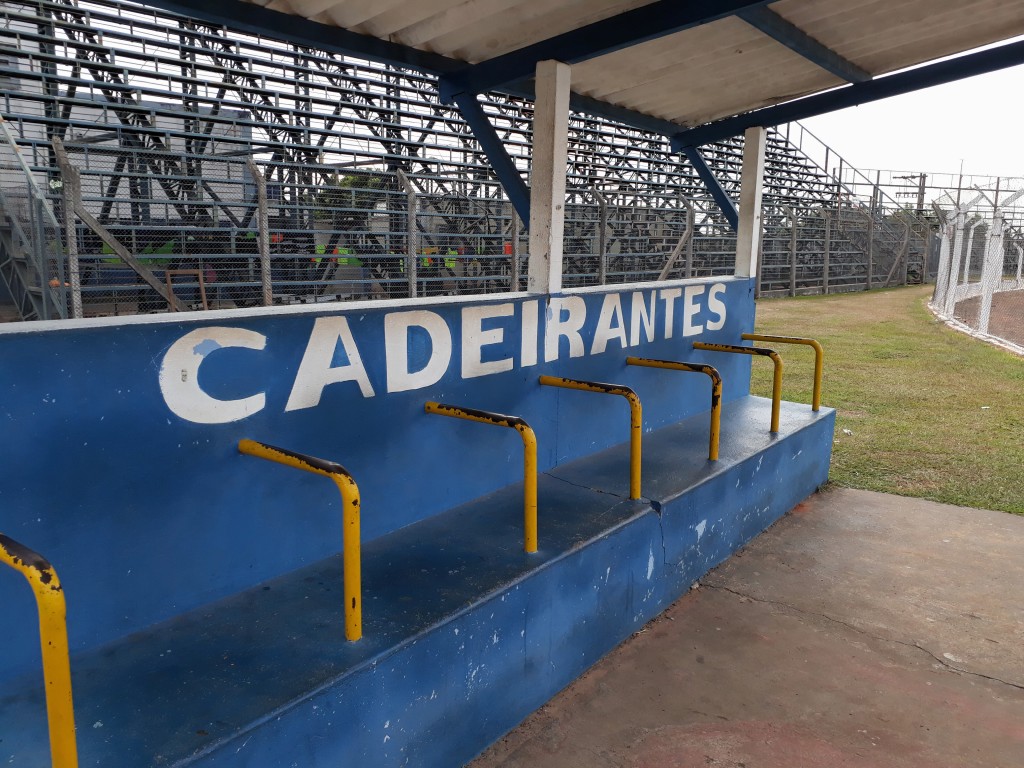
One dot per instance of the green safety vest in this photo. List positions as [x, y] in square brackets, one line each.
[341, 256]
[164, 248]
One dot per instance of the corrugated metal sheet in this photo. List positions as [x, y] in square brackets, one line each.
[719, 69]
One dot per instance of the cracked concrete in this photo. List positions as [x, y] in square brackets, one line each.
[861, 630]
[554, 476]
[707, 584]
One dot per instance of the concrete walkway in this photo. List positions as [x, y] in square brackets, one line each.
[861, 630]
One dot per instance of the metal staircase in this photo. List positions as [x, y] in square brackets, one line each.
[31, 252]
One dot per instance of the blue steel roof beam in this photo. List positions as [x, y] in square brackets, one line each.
[501, 162]
[648, 22]
[714, 186]
[798, 41]
[926, 76]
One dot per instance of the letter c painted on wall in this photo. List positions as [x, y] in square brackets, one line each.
[179, 376]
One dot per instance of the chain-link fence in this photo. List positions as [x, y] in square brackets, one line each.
[838, 250]
[980, 285]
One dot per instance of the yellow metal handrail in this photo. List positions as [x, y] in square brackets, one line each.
[350, 521]
[529, 458]
[716, 392]
[736, 349]
[635, 419]
[819, 358]
[53, 639]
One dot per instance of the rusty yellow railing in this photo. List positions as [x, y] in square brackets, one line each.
[635, 419]
[716, 392]
[53, 639]
[352, 553]
[529, 458]
[819, 358]
[736, 349]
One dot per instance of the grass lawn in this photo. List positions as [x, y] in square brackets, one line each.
[930, 412]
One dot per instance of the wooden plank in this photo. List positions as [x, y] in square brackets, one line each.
[140, 269]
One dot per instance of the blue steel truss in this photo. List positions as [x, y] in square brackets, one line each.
[511, 72]
[160, 112]
[798, 41]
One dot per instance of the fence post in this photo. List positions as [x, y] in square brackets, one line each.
[38, 235]
[262, 230]
[955, 251]
[792, 251]
[602, 238]
[107, 237]
[517, 277]
[942, 275]
[905, 253]
[991, 270]
[71, 189]
[871, 246]
[969, 250]
[691, 224]
[828, 251]
[412, 233]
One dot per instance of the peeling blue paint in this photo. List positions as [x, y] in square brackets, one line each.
[205, 347]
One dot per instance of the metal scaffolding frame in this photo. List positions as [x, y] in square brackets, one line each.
[160, 114]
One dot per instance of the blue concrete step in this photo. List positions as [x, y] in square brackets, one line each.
[464, 634]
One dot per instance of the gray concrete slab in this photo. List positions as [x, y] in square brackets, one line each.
[861, 630]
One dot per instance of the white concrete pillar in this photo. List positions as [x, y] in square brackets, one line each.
[547, 177]
[968, 250]
[748, 232]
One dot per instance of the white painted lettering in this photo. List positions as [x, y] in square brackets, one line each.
[717, 306]
[179, 376]
[610, 325]
[641, 316]
[690, 309]
[396, 349]
[315, 370]
[475, 338]
[669, 296]
[556, 327]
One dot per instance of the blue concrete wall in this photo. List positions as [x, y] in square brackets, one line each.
[120, 461]
[440, 698]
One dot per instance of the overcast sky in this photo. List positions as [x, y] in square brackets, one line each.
[979, 120]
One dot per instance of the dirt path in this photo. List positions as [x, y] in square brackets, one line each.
[1006, 320]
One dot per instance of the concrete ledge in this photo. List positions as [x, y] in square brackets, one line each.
[464, 634]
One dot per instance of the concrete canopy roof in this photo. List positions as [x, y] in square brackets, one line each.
[663, 65]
